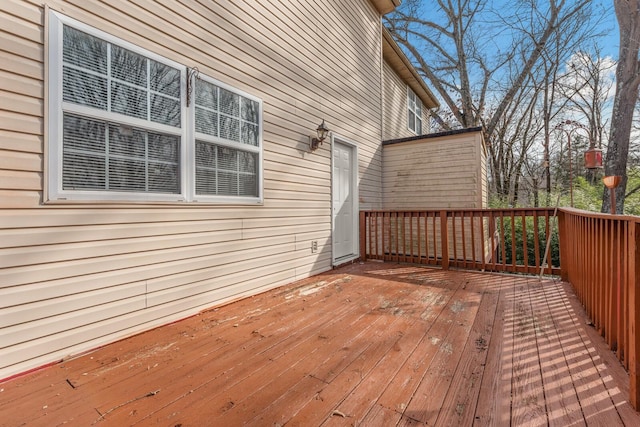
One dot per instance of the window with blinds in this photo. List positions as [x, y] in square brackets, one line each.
[113, 154]
[414, 112]
[227, 141]
[121, 128]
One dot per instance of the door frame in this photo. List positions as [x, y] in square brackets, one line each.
[355, 200]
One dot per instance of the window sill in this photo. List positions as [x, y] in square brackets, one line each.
[147, 203]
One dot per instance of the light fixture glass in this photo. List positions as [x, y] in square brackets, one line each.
[322, 130]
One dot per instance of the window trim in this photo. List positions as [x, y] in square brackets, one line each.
[226, 143]
[413, 111]
[55, 108]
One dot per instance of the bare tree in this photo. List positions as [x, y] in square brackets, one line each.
[587, 86]
[478, 79]
[627, 83]
[551, 103]
[515, 133]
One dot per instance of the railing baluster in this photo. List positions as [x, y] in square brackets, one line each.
[444, 240]
[425, 232]
[632, 353]
[363, 226]
[525, 246]
[629, 279]
[384, 245]
[373, 241]
[622, 277]
[408, 237]
[503, 242]
[613, 331]
[590, 242]
[483, 259]
[474, 262]
[514, 261]
[547, 228]
[536, 240]
[373, 231]
[463, 239]
[435, 244]
[404, 236]
[453, 229]
[598, 240]
[419, 237]
[492, 236]
[604, 290]
[411, 251]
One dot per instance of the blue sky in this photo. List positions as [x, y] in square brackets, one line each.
[603, 17]
[611, 41]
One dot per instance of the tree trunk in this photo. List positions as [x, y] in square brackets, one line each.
[627, 82]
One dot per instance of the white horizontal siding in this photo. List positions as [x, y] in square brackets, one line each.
[394, 105]
[78, 275]
[395, 108]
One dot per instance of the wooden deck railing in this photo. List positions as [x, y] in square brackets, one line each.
[512, 240]
[600, 259]
[597, 253]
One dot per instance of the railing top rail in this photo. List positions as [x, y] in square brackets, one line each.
[495, 210]
[521, 211]
[600, 215]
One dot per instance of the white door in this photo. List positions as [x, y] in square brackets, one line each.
[344, 201]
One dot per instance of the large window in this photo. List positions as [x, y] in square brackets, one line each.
[414, 112]
[121, 127]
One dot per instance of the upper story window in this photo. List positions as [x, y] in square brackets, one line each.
[414, 112]
[120, 127]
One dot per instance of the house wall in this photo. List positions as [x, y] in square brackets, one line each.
[395, 107]
[442, 172]
[74, 276]
[439, 172]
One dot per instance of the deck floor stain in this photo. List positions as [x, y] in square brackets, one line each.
[368, 344]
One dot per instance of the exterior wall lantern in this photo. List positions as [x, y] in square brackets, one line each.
[322, 132]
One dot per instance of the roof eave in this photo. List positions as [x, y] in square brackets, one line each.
[385, 6]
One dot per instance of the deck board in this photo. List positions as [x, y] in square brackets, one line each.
[490, 410]
[459, 406]
[528, 401]
[554, 325]
[368, 344]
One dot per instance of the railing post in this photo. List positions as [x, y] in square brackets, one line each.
[634, 316]
[444, 239]
[363, 237]
[564, 249]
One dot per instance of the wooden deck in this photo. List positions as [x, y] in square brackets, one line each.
[368, 345]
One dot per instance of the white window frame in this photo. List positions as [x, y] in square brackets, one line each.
[56, 107]
[226, 143]
[413, 110]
